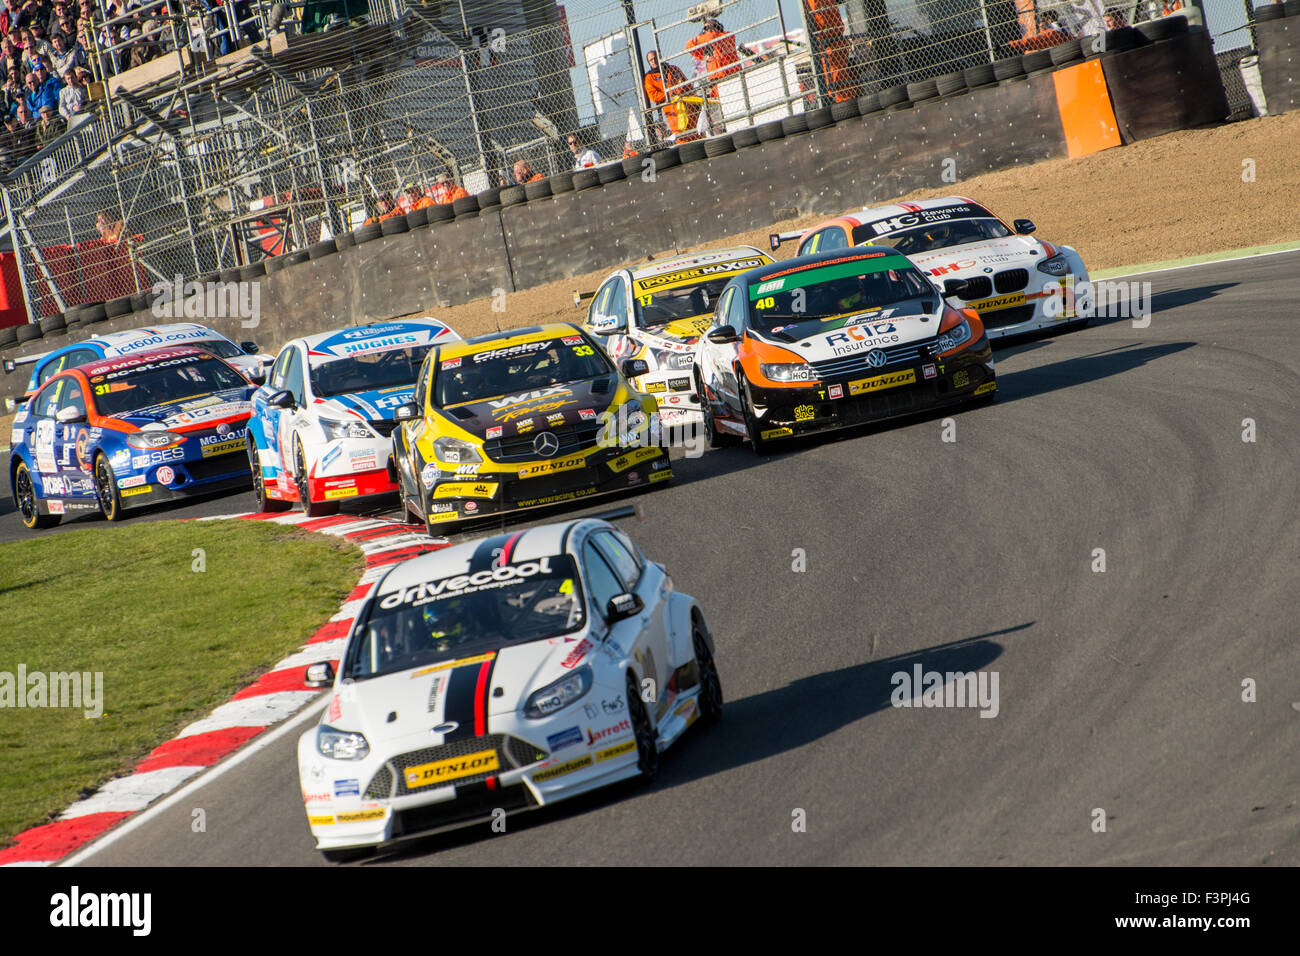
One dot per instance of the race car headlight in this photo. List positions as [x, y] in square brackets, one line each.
[154, 439]
[1055, 266]
[351, 429]
[557, 696]
[788, 372]
[341, 744]
[453, 451]
[955, 337]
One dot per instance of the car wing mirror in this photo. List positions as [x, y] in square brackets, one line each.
[623, 606]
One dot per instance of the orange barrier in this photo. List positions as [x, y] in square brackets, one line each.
[1083, 102]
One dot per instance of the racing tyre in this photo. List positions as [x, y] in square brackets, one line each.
[632, 164]
[819, 118]
[440, 212]
[110, 502]
[713, 437]
[513, 195]
[409, 517]
[490, 197]
[394, 226]
[302, 255]
[1292, 8]
[9, 336]
[770, 131]
[845, 110]
[977, 77]
[27, 333]
[94, 312]
[868, 103]
[561, 183]
[1167, 27]
[122, 304]
[363, 234]
[252, 271]
[793, 125]
[610, 173]
[538, 190]
[417, 218]
[893, 96]
[341, 241]
[692, 152]
[745, 137]
[719, 146]
[950, 84]
[264, 504]
[54, 323]
[922, 90]
[465, 205]
[25, 500]
[312, 509]
[585, 179]
[1010, 68]
[1071, 51]
[225, 275]
[1270, 11]
[647, 741]
[325, 247]
[349, 855]
[710, 684]
[277, 263]
[756, 441]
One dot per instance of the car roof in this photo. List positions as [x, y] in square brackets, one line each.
[888, 211]
[363, 338]
[496, 340]
[512, 547]
[127, 336]
[687, 260]
[800, 263]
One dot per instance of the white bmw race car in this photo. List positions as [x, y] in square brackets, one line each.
[1016, 283]
[502, 675]
[322, 424]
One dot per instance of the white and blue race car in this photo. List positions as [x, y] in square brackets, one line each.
[322, 423]
[502, 675]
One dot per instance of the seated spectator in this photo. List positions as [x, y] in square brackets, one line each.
[523, 173]
[36, 13]
[42, 89]
[62, 8]
[24, 131]
[143, 48]
[49, 128]
[74, 96]
[445, 190]
[66, 58]
[1049, 35]
[108, 226]
[14, 93]
[11, 58]
[34, 48]
[9, 16]
[583, 157]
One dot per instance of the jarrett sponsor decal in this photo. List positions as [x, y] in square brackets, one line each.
[890, 380]
[605, 733]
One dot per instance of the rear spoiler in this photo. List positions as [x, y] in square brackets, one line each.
[776, 238]
[579, 296]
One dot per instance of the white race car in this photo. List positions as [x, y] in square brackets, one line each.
[502, 675]
[657, 312]
[1016, 283]
[322, 424]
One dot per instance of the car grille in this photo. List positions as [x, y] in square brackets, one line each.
[907, 354]
[512, 753]
[229, 463]
[978, 287]
[383, 428]
[471, 803]
[1011, 280]
[572, 438]
[1003, 317]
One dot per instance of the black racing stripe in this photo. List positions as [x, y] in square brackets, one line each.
[460, 702]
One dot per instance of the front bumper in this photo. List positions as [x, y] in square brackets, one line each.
[352, 468]
[149, 483]
[460, 497]
[876, 396]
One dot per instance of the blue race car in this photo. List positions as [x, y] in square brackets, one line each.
[123, 432]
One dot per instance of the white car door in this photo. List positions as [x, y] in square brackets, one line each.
[717, 361]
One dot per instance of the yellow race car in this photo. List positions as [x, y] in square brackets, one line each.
[522, 419]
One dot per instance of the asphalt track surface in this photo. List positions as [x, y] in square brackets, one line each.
[1118, 691]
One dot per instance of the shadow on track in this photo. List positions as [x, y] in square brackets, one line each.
[754, 728]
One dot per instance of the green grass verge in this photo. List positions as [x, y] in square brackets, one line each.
[171, 642]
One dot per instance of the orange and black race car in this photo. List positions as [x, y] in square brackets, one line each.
[835, 339]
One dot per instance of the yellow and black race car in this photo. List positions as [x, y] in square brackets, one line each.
[522, 419]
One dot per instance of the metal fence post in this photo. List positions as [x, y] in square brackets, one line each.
[33, 307]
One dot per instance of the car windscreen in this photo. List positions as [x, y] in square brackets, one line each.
[658, 307]
[936, 235]
[157, 383]
[451, 618]
[221, 347]
[368, 371]
[517, 368]
[804, 301]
